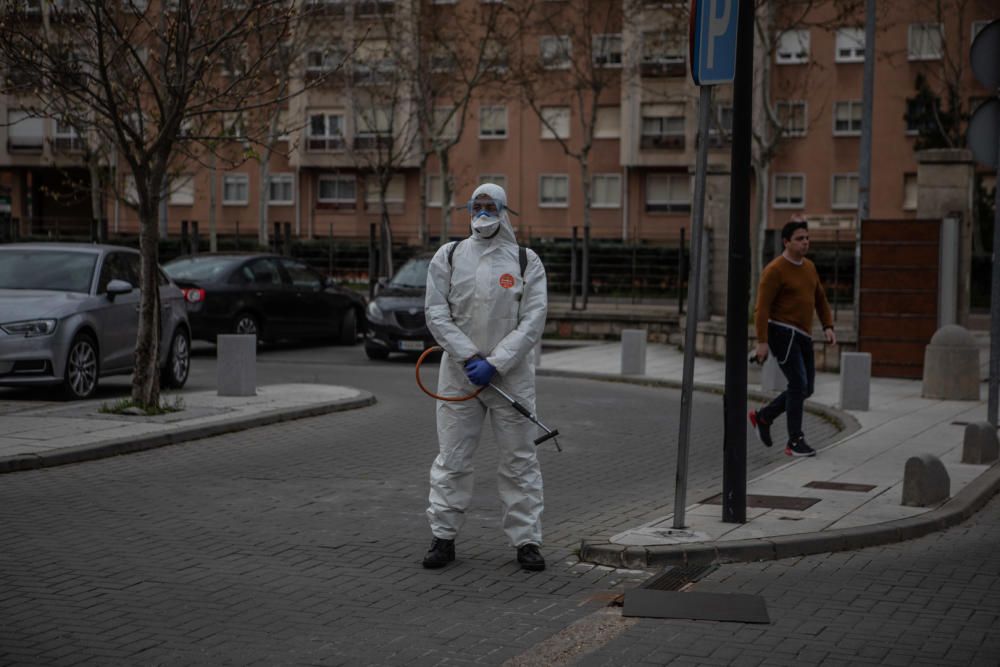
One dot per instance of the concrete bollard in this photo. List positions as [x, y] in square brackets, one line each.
[980, 444]
[855, 380]
[633, 351]
[951, 365]
[237, 364]
[771, 377]
[925, 481]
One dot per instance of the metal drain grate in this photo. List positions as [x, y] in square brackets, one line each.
[770, 502]
[840, 486]
[675, 578]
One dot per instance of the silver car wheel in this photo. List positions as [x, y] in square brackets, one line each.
[182, 357]
[82, 370]
[246, 324]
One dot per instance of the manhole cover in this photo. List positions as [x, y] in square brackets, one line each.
[840, 486]
[770, 502]
[675, 578]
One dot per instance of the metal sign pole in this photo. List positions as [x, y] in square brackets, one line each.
[691, 325]
[994, 395]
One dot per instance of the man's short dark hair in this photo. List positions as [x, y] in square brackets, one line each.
[790, 227]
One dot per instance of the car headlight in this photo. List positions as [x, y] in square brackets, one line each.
[375, 313]
[29, 328]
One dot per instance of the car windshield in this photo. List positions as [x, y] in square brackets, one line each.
[412, 274]
[208, 269]
[57, 270]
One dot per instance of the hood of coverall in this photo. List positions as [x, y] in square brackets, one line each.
[493, 229]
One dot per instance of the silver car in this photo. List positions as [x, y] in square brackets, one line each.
[69, 314]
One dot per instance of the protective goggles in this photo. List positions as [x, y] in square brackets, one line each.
[490, 207]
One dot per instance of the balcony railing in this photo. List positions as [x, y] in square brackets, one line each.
[25, 144]
[67, 144]
[659, 69]
[324, 144]
[662, 141]
[370, 141]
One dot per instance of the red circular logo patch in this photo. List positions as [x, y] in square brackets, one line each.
[506, 281]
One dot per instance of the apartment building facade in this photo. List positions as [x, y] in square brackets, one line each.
[354, 145]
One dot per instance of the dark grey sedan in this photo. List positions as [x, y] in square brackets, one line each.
[69, 315]
[271, 296]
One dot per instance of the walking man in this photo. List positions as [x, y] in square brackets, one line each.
[789, 292]
[486, 304]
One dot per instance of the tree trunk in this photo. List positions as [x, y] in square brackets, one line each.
[96, 200]
[585, 275]
[146, 380]
[386, 229]
[447, 194]
[423, 235]
[263, 195]
[213, 176]
[759, 225]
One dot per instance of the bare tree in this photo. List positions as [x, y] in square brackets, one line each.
[144, 79]
[380, 94]
[448, 72]
[579, 60]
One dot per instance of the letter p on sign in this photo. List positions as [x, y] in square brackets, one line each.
[713, 41]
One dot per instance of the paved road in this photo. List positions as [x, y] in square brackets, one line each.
[300, 543]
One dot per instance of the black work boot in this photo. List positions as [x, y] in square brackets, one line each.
[530, 557]
[441, 553]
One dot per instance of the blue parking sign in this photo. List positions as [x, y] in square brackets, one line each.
[713, 41]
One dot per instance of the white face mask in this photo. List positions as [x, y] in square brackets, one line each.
[485, 226]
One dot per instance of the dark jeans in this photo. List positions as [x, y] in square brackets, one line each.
[794, 354]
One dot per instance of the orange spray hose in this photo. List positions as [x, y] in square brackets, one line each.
[431, 393]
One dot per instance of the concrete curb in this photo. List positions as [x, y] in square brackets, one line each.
[968, 501]
[847, 424]
[601, 552]
[118, 446]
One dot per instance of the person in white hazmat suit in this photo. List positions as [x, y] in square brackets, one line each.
[487, 317]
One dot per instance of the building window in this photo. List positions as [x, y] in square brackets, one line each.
[181, 190]
[445, 122]
[792, 116]
[923, 41]
[847, 118]
[664, 54]
[668, 193]
[326, 131]
[606, 191]
[66, 138]
[720, 128]
[374, 129]
[662, 126]
[555, 52]
[495, 58]
[492, 122]
[845, 191]
[850, 45]
[607, 123]
[496, 179]
[793, 47]
[553, 190]
[789, 190]
[25, 132]
[322, 61]
[607, 50]
[338, 191]
[920, 115]
[435, 190]
[909, 192]
[555, 122]
[395, 193]
[235, 190]
[281, 189]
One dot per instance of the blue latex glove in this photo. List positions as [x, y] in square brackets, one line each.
[479, 371]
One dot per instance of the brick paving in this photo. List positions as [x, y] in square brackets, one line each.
[300, 543]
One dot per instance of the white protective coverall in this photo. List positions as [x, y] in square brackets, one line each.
[480, 305]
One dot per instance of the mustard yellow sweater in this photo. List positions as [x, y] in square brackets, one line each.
[789, 293]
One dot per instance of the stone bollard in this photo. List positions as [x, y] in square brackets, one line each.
[855, 380]
[633, 351]
[925, 481]
[771, 377]
[236, 360]
[980, 444]
[951, 365]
